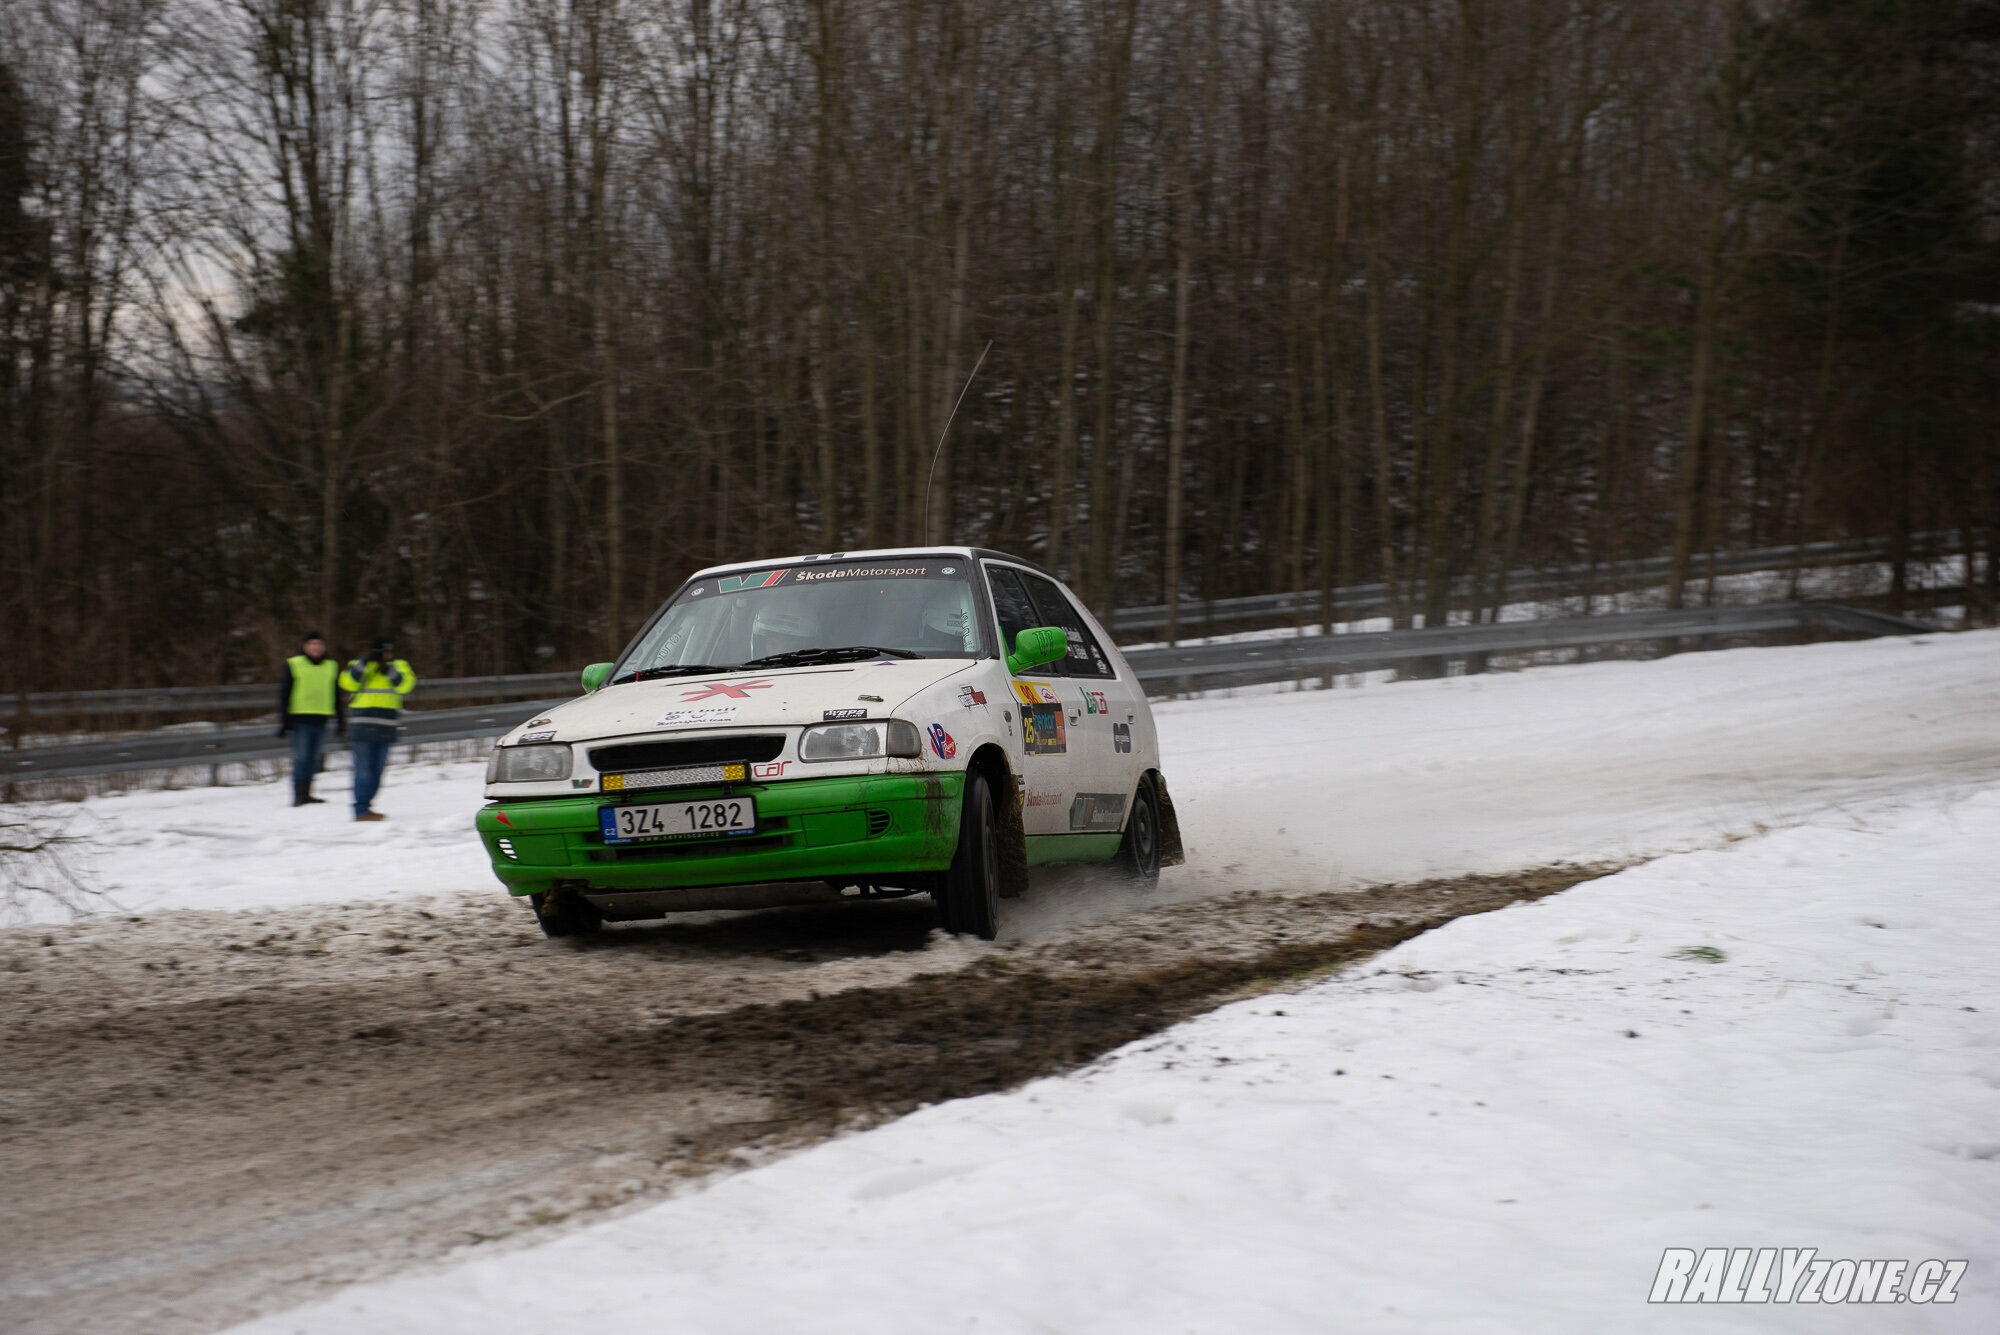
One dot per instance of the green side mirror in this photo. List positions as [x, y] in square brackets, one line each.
[594, 675]
[1032, 648]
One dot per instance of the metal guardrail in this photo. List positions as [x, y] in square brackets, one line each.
[1360, 600]
[1351, 602]
[1283, 657]
[259, 741]
[1265, 659]
[180, 699]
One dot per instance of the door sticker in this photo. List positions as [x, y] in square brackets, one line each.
[1121, 737]
[1042, 730]
[1096, 811]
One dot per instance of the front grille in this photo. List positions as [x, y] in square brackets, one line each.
[757, 747]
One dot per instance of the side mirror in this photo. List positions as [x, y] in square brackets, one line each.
[1032, 648]
[594, 675]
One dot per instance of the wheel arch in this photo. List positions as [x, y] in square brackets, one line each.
[991, 762]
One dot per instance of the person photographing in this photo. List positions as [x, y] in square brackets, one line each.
[307, 702]
[378, 685]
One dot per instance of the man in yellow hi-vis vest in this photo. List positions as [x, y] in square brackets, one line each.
[378, 682]
[307, 702]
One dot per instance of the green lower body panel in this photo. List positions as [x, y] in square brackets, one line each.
[848, 829]
[1044, 849]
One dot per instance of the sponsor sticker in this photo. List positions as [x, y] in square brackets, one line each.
[1093, 702]
[1121, 737]
[695, 718]
[528, 737]
[1043, 732]
[942, 743]
[1097, 811]
[739, 690]
[770, 769]
[763, 579]
[1036, 693]
[834, 715]
[1035, 799]
[581, 783]
[864, 572]
[1799, 1275]
[971, 698]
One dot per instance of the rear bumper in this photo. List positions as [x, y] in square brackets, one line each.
[850, 828]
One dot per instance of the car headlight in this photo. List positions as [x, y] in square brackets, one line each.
[529, 764]
[860, 741]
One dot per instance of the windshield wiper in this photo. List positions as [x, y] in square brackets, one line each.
[853, 653]
[675, 670]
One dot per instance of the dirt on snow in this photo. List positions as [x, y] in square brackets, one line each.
[205, 1116]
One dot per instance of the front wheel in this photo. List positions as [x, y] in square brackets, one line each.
[1139, 850]
[970, 899]
[565, 913]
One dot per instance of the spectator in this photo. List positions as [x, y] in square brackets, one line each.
[378, 682]
[307, 702]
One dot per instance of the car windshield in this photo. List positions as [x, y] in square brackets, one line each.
[914, 607]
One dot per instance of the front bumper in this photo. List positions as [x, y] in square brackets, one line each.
[852, 829]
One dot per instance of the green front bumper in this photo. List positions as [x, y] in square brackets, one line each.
[807, 829]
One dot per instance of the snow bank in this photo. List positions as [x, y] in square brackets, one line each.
[1495, 1127]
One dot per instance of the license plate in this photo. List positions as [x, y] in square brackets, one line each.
[678, 820]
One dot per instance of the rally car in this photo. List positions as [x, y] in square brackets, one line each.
[855, 725]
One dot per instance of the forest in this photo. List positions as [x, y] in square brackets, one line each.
[482, 323]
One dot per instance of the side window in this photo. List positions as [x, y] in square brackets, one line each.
[1012, 605]
[1085, 659]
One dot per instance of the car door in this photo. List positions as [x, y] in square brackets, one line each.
[1102, 713]
[1049, 767]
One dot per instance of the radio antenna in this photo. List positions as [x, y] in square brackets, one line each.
[938, 453]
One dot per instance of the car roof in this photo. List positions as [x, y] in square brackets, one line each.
[875, 553]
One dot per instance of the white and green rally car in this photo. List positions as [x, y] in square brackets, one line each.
[922, 720]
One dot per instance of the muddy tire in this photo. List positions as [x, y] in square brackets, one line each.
[567, 914]
[969, 902]
[1139, 851]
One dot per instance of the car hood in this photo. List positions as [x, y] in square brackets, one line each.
[789, 697]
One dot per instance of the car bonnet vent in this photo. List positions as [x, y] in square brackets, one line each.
[693, 751]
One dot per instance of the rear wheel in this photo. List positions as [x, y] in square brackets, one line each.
[970, 899]
[565, 913]
[1139, 850]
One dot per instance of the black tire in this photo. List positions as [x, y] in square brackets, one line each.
[970, 900]
[1139, 850]
[565, 914]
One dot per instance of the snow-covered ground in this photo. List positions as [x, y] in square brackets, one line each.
[1604, 761]
[1499, 1126]
[1495, 1127]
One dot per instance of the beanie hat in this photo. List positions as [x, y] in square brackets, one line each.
[380, 643]
[311, 635]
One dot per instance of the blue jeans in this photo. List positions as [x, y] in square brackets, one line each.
[371, 754]
[308, 740]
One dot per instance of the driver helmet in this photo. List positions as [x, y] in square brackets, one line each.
[780, 630]
[948, 614]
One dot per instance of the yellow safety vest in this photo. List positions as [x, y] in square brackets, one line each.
[377, 693]
[312, 685]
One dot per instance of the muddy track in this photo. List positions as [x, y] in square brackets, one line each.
[205, 1116]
